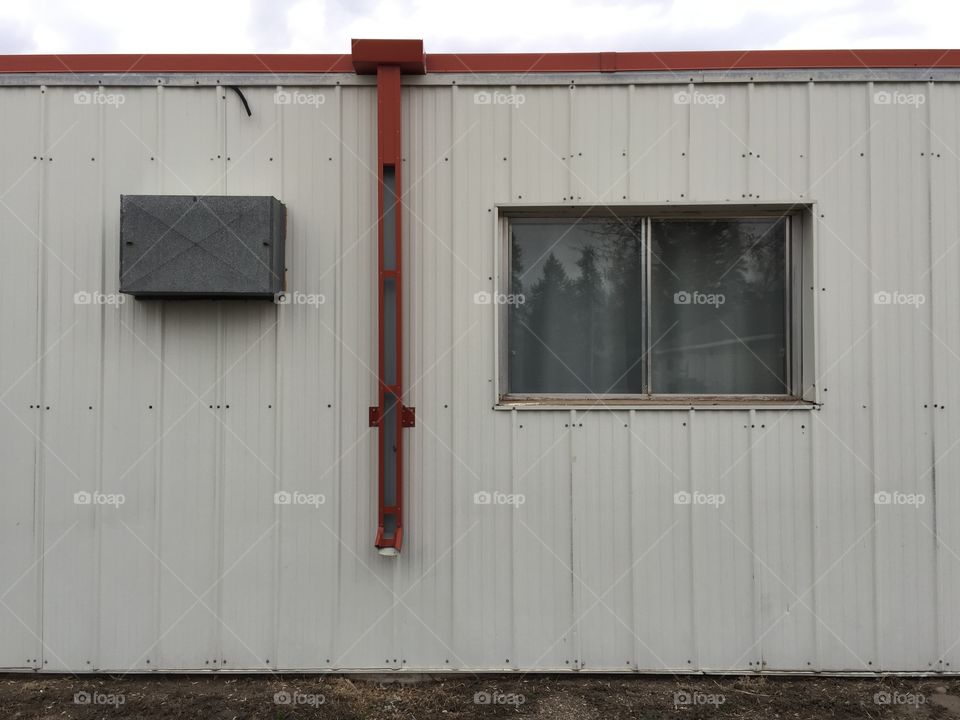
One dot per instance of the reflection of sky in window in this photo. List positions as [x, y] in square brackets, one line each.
[564, 239]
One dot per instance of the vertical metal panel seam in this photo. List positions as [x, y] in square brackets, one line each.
[512, 149]
[633, 498]
[808, 165]
[515, 474]
[576, 591]
[937, 558]
[341, 399]
[277, 570]
[39, 464]
[689, 143]
[456, 396]
[454, 333]
[502, 263]
[814, 479]
[757, 648]
[815, 459]
[219, 449]
[631, 100]
[219, 435]
[98, 458]
[501, 275]
[569, 143]
[694, 659]
[871, 384]
[749, 154]
[755, 544]
[158, 420]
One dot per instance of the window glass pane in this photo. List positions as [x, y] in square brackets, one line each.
[575, 320]
[718, 316]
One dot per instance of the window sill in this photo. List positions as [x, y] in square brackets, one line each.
[694, 402]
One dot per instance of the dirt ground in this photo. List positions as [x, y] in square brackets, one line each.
[289, 697]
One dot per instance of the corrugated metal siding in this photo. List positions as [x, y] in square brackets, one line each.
[199, 411]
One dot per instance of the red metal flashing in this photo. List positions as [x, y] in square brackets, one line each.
[368, 55]
[126, 64]
[408, 55]
[692, 61]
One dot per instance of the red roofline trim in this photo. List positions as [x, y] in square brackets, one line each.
[404, 53]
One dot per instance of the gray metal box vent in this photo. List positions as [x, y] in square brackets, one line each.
[191, 246]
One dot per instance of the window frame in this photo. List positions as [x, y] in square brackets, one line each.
[799, 305]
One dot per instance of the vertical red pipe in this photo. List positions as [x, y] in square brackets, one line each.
[390, 331]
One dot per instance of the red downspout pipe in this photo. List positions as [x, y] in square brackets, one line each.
[389, 58]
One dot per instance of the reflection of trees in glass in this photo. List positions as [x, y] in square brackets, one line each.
[542, 340]
[583, 323]
[743, 259]
[551, 306]
[518, 337]
[622, 251]
[589, 316]
[582, 327]
[738, 345]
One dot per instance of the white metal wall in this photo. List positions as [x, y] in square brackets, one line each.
[199, 411]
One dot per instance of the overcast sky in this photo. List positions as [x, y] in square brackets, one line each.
[326, 26]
